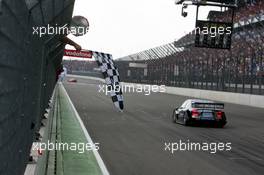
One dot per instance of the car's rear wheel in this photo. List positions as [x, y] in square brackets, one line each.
[173, 116]
[221, 124]
[186, 119]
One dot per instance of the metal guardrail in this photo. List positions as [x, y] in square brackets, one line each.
[210, 72]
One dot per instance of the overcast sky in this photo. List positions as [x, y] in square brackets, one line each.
[123, 27]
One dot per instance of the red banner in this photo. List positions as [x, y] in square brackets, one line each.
[79, 54]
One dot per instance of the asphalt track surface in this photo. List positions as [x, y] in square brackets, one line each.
[133, 142]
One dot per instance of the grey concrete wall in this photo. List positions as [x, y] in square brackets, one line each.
[236, 98]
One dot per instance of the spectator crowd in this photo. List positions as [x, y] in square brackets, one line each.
[242, 64]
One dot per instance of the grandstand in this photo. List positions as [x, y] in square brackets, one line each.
[79, 67]
[239, 69]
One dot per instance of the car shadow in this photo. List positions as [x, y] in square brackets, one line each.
[208, 125]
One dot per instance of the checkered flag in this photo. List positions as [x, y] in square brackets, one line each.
[111, 76]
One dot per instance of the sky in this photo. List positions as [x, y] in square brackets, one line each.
[124, 27]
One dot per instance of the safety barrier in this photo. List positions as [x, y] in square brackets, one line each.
[28, 68]
[236, 98]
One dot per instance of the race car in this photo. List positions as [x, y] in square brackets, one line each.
[72, 80]
[194, 111]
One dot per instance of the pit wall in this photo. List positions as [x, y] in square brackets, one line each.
[29, 65]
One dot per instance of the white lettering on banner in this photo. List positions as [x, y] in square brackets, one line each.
[75, 53]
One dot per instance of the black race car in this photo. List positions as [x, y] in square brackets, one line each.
[194, 111]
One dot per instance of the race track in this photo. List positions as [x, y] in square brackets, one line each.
[133, 142]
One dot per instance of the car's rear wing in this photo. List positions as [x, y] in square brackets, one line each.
[208, 105]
